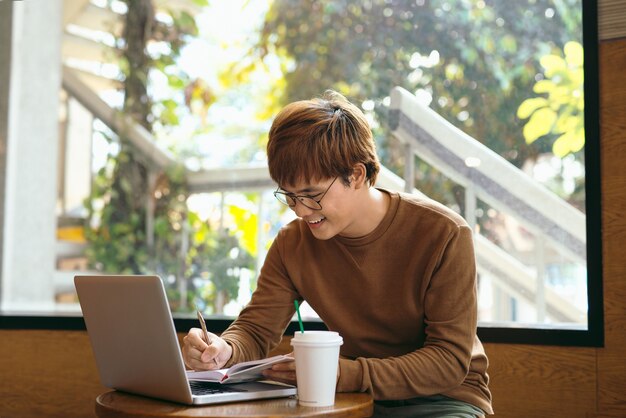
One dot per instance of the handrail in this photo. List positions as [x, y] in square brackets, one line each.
[114, 119]
[519, 280]
[496, 181]
[217, 179]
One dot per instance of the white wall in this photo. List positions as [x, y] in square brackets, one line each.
[32, 148]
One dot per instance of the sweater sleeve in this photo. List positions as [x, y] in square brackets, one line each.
[450, 315]
[259, 327]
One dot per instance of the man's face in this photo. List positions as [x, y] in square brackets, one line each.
[336, 215]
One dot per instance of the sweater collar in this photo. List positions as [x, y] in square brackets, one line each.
[382, 227]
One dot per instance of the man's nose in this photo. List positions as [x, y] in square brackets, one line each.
[301, 210]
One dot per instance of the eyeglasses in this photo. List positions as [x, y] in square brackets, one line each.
[311, 202]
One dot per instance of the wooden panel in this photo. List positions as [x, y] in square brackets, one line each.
[611, 18]
[535, 381]
[47, 373]
[612, 359]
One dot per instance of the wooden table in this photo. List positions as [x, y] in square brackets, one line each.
[119, 404]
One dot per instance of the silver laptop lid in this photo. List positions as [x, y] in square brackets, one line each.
[133, 336]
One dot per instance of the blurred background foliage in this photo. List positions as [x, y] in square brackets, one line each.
[127, 196]
[474, 62]
[507, 73]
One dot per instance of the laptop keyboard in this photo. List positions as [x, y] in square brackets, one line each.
[206, 388]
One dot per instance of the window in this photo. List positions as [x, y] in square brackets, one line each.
[488, 107]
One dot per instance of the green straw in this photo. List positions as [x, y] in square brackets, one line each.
[295, 302]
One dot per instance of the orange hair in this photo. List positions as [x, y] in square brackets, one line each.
[318, 139]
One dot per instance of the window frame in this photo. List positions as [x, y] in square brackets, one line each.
[593, 336]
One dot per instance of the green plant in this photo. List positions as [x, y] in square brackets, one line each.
[558, 111]
[138, 219]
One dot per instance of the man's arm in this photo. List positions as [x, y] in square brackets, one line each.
[260, 326]
[450, 311]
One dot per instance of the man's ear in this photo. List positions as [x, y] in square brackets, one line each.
[359, 176]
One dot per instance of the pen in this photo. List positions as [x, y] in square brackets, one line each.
[204, 331]
[203, 325]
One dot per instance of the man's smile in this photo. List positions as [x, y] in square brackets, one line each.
[315, 221]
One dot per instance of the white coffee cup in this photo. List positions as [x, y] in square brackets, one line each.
[317, 359]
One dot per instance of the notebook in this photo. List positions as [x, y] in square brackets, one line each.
[241, 372]
[136, 349]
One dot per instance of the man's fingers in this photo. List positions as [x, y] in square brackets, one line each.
[210, 353]
[194, 338]
[199, 355]
[193, 349]
[286, 366]
[194, 359]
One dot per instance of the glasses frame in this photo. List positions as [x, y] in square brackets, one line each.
[288, 198]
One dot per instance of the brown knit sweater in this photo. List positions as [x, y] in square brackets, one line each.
[403, 298]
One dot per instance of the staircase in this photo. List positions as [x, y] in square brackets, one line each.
[556, 225]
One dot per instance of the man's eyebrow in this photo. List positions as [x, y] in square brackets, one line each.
[306, 190]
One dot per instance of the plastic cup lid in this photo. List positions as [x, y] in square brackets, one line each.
[317, 337]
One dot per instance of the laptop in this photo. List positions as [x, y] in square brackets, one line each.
[136, 348]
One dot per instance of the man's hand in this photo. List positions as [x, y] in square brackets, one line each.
[282, 372]
[286, 372]
[205, 355]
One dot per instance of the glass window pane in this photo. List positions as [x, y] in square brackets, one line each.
[479, 105]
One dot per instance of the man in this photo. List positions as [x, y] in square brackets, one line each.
[393, 273]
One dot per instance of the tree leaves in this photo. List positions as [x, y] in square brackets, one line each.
[558, 113]
[540, 124]
[528, 106]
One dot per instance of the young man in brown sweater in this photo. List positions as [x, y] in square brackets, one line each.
[393, 273]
